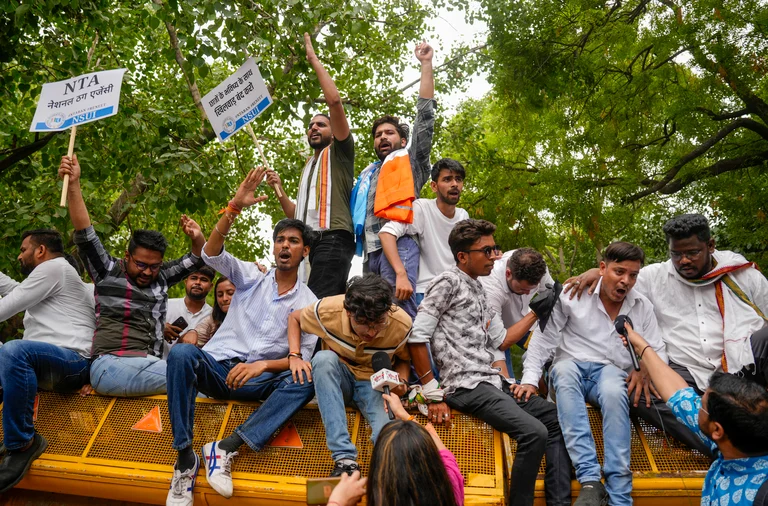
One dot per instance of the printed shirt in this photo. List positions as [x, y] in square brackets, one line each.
[256, 326]
[463, 332]
[328, 319]
[734, 482]
[129, 319]
[418, 152]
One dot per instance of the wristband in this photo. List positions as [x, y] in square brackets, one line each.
[643, 352]
[231, 208]
[216, 228]
[294, 354]
[411, 418]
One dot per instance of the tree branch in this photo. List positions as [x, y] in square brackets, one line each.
[22, 152]
[723, 116]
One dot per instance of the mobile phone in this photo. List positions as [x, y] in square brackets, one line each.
[319, 489]
[180, 322]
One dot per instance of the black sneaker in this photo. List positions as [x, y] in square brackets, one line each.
[339, 469]
[592, 494]
[15, 464]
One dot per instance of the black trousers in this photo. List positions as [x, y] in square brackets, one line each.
[533, 424]
[331, 258]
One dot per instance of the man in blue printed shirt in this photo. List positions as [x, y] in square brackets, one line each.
[731, 417]
[247, 357]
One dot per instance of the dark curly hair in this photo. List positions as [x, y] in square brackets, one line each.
[741, 406]
[686, 225]
[402, 128]
[466, 232]
[527, 264]
[147, 239]
[368, 298]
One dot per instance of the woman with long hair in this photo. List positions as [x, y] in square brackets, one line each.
[410, 466]
[223, 291]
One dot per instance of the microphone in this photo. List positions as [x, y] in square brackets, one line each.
[383, 377]
[619, 324]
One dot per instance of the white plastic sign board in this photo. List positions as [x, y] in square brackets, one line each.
[237, 101]
[78, 100]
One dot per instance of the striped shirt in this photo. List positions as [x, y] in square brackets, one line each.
[256, 326]
[329, 320]
[129, 319]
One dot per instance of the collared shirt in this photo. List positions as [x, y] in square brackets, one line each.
[256, 326]
[129, 319]
[418, 152]
[462, 331]
[178, 308]
[690, 319]
[59, 306]
[328, 319]
[734, 482]
[581, 330]
[430, 229]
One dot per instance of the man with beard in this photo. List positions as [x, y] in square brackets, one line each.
[192, 307]
[591, 365]
[54, 353]
[711, 307]
[131, 298]
[248, 356]
[324, 189]
[387, 188]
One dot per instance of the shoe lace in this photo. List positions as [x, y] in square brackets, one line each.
[226, 463]
[180, 484]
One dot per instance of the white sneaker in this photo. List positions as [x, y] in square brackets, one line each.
[182, 484]
[218, 464]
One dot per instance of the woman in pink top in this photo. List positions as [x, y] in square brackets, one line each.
[409, 465]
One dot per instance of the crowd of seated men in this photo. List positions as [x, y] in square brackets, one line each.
[438, 297]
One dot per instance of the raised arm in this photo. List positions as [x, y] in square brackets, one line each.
[78, 213]
[664, 378]
[424, 54]
[339, 123]
[289, 206]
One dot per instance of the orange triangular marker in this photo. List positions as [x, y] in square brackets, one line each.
[34, 409]
[288, 437]
[150, 422]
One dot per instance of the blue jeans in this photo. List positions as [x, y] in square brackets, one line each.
[336, 387]
[191, 369]
[603, 386]
[26, 366]
[409, 255]
[128, 376]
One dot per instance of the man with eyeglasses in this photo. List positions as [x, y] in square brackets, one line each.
[352, 327]
[464, 334]
[131, 298]
[711, 306]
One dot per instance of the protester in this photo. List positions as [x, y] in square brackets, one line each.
[433, 220]
[517, 277]
[352, 327]
[247, 358]
[591, 365]
[455, 320]
[202, 333]
[192, 308]
[711, 307]
[55, 349]
[324, 189]
[131, 298]
[731, 418]
[387, 188]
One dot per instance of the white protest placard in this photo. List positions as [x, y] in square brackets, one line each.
[237, 101]
[78, 100]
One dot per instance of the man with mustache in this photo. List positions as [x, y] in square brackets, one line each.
[592, 365]
[192, 308]
[55, 350]
[324, 189]
[386, 189]
[131, 298]
[711, 307]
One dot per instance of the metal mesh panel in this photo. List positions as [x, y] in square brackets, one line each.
[670, 455]
[68, 421]
[311, 461]
[117, 441]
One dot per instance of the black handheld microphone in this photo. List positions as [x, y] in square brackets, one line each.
[619, 324]
[383, 376]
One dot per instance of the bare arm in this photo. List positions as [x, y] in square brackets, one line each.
[424, 54]
[78, 213]
[339, 123]
[518, 331]
[403, 288]
[666, 380]
[289, 207]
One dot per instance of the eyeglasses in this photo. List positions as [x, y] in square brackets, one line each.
[376, 326]
[143, 267]
[490, 251]
[690, 255]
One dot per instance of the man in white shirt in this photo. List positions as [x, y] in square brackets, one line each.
[711, 307]
[54, 353]
[433, 220]
[192, 307]
[516, 279]
[592, 365]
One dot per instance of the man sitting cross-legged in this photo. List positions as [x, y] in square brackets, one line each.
[353, 327]
[591, 365]
[247, 357]
[131, 298]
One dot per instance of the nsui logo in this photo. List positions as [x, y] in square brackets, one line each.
[229, 124]
[54, 120]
